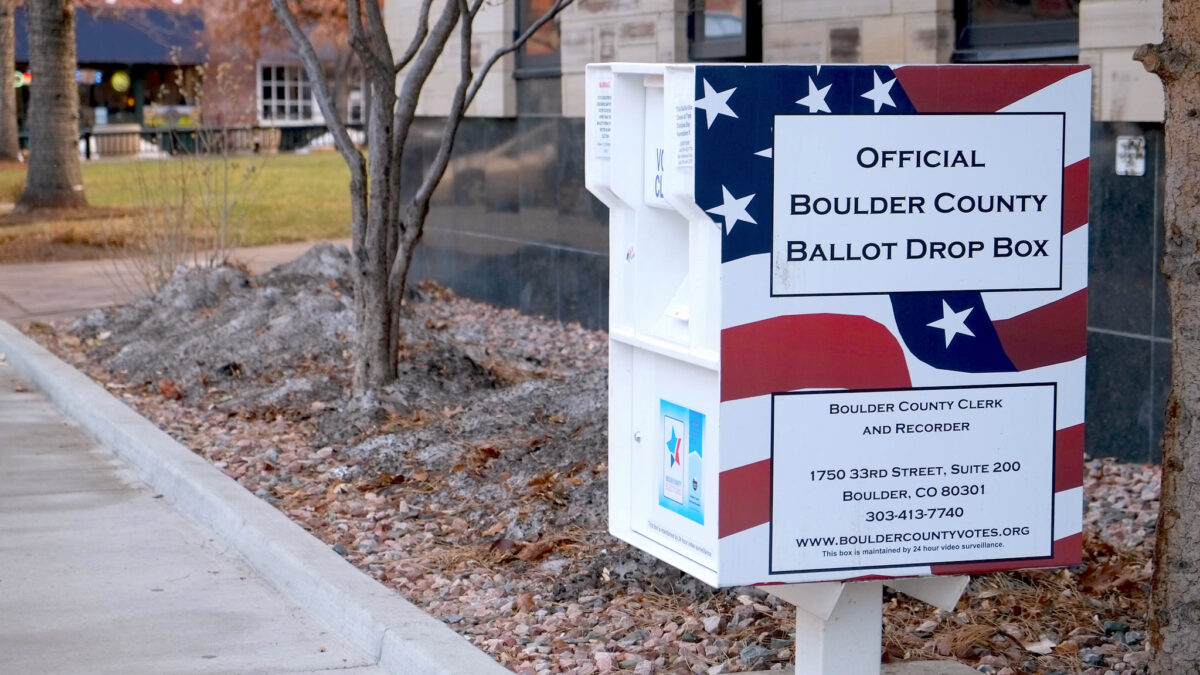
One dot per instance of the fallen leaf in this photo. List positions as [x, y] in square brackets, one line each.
[386, 479]
[488, 450]
[1067, 647]
[1039, 647]
[1013, 631]
[525, 602]
[168, 389]
[503, 545]
[534, 550]
[1109, 576]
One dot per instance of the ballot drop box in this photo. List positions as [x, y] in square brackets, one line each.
[847, 315]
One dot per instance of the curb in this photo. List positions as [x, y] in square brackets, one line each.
[398, 635]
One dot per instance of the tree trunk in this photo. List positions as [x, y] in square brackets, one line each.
[54, 178]
[10, 145]
[1175, 600]
[375, 312]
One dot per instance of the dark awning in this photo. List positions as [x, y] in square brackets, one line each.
[128, 36]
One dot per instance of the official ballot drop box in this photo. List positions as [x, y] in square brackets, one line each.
[847, 315]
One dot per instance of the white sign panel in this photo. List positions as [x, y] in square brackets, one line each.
[911, 477]
[917, 203]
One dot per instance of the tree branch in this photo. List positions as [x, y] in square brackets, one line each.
[312, 64]
[360, 42]
[418, 206]
[414, 81]
[468, 86]
[555, 9]
[377, 33]
[357, 40]
[418, 37]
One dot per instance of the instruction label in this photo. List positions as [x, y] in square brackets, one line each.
[911, 477]
[602, 120]
[684, 116]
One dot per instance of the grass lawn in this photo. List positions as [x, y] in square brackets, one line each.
[289, 198]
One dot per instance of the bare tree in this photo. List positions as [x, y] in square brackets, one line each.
[54, 178]
[1175, 600]
[386, 229]
[10, 146]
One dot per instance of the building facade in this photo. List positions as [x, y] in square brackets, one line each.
[512, 223]
[150, 69]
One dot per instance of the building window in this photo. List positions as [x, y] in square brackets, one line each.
[539, 56]
[1016, 30]
[285, 95]
[725, 30]
[354, 107]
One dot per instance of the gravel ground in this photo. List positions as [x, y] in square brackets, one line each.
[477, 489]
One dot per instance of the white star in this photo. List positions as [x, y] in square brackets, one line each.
[715, 103]
[881, 94]
[733, 210]
[954, 323]
[816, 98]
[769, 153]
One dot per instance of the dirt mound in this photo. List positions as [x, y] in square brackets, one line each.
[209, 329]
[491, 402]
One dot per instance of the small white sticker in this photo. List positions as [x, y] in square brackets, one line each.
[1131, 156]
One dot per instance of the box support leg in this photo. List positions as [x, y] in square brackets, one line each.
[839, 627]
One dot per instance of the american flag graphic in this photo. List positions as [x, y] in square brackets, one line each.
[772, 344]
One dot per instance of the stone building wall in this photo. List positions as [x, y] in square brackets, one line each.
[1109, 31]
[807, 31]
[493, 29]
[595, 31]
[858, 31]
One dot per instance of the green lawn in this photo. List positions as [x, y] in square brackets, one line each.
[293, 197]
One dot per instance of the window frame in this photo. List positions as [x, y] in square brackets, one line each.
[534, 65]
[1044, 40]
[300, 83]
[356, 103]
[746, 48]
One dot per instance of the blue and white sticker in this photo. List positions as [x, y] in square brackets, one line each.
[682, 486]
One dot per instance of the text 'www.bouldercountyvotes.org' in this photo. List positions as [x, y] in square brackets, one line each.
[902, 537]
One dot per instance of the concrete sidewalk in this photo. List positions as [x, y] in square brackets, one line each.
[45, 291]
[97, 575]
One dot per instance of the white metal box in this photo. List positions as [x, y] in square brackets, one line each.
[847, 315]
